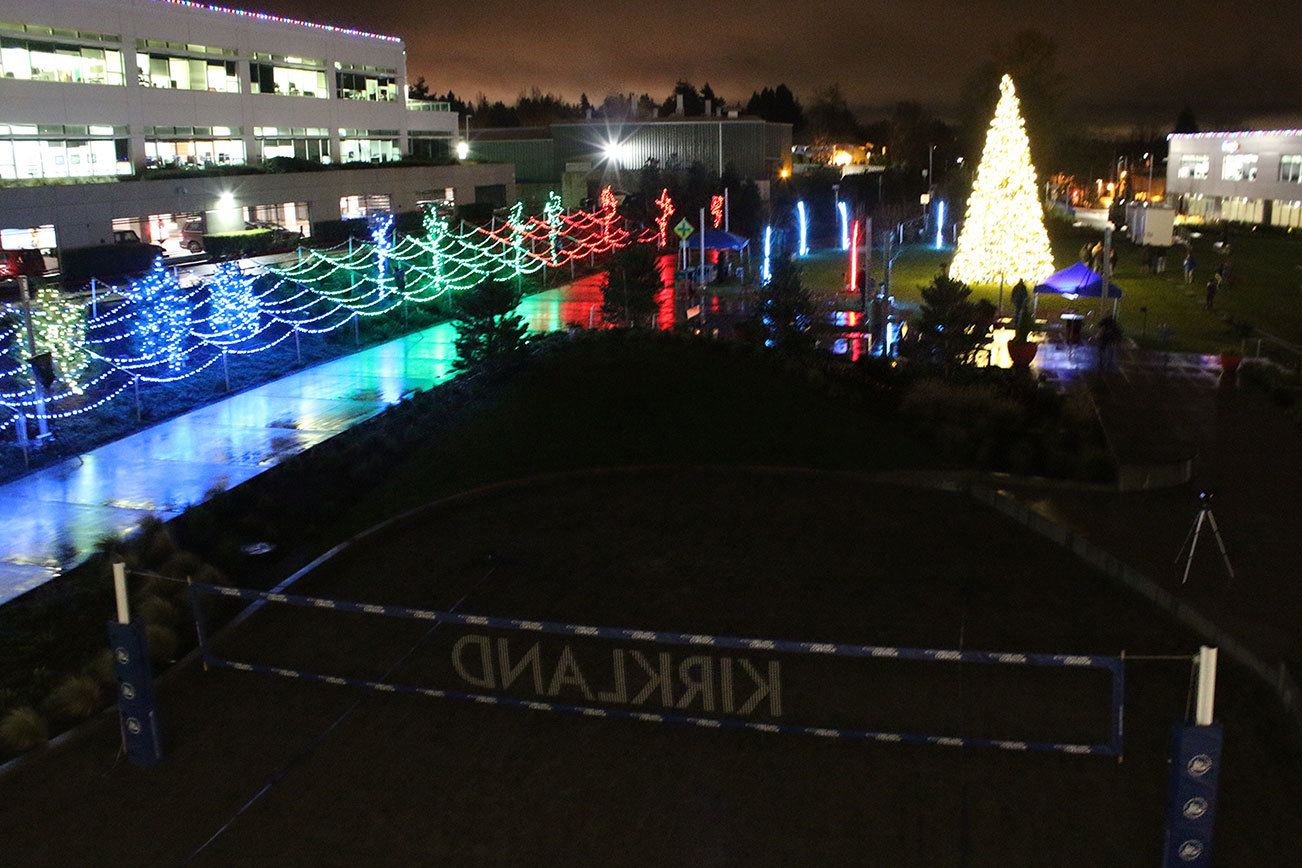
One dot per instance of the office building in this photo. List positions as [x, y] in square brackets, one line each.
[124, 115]
[1252, 176]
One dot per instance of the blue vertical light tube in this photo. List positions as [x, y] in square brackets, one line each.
[802, 219]
[843, 212]
[940, 224]
[766, 270]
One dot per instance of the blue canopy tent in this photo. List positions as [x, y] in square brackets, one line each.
[717, 239]
[1077, 280]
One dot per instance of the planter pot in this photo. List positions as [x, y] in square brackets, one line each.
[1022, 353]
[1230, 363]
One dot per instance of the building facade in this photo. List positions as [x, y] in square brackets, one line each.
[574, 155]
[105, 93]
[1252, 176]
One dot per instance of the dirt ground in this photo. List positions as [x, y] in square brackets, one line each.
[264, 770]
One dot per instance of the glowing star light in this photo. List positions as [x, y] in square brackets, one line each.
[1003, 238]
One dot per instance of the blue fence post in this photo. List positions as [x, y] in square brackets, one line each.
[137, 708]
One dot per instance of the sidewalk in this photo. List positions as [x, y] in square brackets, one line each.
[51, 519]
[1246, 452]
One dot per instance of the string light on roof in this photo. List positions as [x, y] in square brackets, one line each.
[280, 19]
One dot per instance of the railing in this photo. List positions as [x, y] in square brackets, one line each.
[424, 105]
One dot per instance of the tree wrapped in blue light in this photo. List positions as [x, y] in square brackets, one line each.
[232, 305]
[162, 314]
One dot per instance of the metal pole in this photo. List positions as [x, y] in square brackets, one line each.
[1107, 268]
[42, 425]
[727, 211]
[226, 371]
[1206, 701]
[136, 382]
[298, 349]
[94, 298]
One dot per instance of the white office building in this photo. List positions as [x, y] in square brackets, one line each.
[103, 94]
[1253, 176]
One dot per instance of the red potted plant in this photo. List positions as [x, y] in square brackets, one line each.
[1020, 347]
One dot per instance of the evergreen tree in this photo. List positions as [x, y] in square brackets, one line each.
[631, 288]
[487, 325]
[1003, 238]
[786, 311]
[951, 327]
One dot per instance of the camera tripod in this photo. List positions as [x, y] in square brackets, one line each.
[1204, 516]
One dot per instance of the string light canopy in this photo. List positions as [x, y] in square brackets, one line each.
[1003, 239]
[165, 332]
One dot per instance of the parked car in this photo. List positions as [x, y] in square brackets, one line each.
[125, 236]
[16, 262]
[192, 232]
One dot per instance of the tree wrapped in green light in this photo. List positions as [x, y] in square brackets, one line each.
[59, 326]
[162, 315]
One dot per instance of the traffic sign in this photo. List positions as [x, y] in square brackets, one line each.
[684, 229]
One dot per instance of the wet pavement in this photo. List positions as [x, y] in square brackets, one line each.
[51, 519]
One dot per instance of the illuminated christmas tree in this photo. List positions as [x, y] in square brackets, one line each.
[1003, 238]
[59, 326]
[162, 315]
[232, 305]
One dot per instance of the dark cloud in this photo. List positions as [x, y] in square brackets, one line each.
[1126, 63]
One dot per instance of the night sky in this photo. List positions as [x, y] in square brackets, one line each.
[1138, 63]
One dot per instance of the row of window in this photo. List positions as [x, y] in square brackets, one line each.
[54, 152]
[1238, 167]
[182, 66]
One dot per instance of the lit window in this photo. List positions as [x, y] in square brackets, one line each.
[1239, 167]
[1290, 168]
[1194, 166]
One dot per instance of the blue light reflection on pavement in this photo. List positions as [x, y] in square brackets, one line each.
[59, 512]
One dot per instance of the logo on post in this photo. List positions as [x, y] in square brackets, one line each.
[121, 655]
[128, 690]
[1200, 765]
[133, 726]
[1190, 850]
[1195, 808]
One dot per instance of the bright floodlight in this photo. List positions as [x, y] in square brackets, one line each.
[618, 152]
[940, 223]
[843, 212]
[463, 149]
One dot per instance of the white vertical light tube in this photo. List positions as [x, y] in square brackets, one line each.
[120, 592]
[1206, 701]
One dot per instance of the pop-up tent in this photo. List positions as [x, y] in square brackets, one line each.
[1078, 280]
[717, 239]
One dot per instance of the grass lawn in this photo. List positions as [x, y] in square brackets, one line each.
[346, 777]
[1265, 290]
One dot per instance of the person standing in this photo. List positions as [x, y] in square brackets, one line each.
[1189, 265]
[1161, 261]
[1107, 338]
[1211, 292]
[1020, 297]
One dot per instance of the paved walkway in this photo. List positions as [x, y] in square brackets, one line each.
[52, 518]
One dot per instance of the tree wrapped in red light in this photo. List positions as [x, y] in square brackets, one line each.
[716, 211]
[607, 206]
[666, 205]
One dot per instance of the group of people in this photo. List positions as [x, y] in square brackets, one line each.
[1219, 280]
